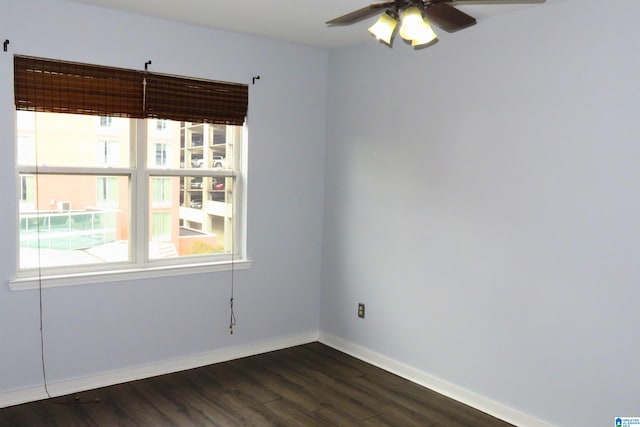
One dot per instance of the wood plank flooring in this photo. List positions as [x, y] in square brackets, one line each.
[307, 385]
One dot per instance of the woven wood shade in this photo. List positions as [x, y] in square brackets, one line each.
[197, 101]
[47, 85]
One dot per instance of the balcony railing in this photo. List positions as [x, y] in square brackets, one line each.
[67, 230]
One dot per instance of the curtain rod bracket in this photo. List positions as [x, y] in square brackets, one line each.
[5, 44]
[254, 78]
[146, 65]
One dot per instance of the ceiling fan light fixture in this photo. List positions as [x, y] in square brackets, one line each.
[412, 23]
[424, 36]
[412, 19]
[384, 28]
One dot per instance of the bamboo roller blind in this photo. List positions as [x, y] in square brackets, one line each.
[47, 85]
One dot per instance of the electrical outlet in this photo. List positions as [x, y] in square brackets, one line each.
[361, 310]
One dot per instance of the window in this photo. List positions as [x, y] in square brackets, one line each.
[152, 208]
[27, 193]
[161, 154]
[107, 152]
[161, 189]
[105, 122]
[161, 227]
[107, 192]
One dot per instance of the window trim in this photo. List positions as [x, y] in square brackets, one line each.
[126, 274]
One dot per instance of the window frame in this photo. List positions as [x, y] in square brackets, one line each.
[139, 173]
[140, 266]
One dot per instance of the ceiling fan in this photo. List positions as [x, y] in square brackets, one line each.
[415, 16]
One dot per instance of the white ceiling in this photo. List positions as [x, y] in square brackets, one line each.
[300, 21]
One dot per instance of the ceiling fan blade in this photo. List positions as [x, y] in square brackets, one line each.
[448, 17]
[360, 14]
[464, 2]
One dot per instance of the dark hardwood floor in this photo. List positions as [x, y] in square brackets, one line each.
[308, 385]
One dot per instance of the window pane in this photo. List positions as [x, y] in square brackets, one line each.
[69, 222]
[75, 140]
[199, 225]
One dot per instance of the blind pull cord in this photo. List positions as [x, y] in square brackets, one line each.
[144, 93]
[232, 320]
[40, 303]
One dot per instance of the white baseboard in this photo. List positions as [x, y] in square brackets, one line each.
[460, 394]
[131, 374]
[453, 391]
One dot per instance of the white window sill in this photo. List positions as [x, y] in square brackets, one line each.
[30, 283]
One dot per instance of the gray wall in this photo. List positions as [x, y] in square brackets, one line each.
[99, 328]
[482, 200]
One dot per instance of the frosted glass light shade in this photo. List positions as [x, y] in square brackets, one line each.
[384, 28]
[424, 36]
[412, 23]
